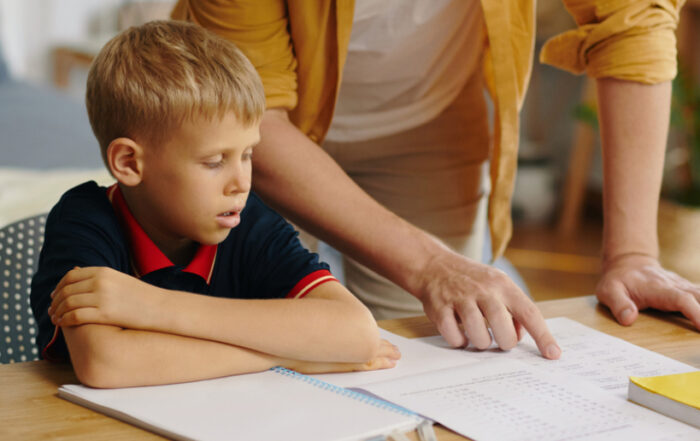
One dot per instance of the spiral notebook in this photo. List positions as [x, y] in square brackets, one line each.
[277, 404]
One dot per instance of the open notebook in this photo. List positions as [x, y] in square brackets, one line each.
[272, 405]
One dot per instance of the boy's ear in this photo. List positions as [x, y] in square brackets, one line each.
[125, 159]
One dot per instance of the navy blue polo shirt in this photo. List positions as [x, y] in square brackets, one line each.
[92, 226]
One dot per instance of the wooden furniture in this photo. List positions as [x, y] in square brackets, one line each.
[688, 36]
[579, 167]
[67, 58]
[30, 408]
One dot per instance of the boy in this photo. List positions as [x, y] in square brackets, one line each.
[177, 272]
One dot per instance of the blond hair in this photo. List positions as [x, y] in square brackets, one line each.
[149, 79]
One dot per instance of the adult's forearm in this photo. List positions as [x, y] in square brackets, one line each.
[305, 184]
[634, 121]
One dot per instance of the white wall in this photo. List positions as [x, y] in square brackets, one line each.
[29, 29]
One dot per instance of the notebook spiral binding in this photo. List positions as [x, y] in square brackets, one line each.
[373, 401]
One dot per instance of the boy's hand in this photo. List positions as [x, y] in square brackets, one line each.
[386, 358]
[102, 295]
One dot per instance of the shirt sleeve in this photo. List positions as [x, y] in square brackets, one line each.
[81, 233]
[260, 29]
[631, 40]
[276, 265]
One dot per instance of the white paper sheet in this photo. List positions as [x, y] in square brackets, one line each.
[509, 400]
[587, 354]
[518, 395]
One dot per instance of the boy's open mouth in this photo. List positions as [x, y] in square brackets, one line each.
[229, 219]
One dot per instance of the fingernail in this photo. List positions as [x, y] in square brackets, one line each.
[553, 351]
[626, 315]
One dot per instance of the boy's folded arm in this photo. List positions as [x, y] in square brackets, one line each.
[106, 356]
[328, 325]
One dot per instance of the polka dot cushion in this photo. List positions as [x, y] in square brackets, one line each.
[20, 244]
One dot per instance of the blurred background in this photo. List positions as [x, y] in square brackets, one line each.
[46, 145]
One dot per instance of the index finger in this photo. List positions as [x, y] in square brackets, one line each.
[75, 275]
[529, 316]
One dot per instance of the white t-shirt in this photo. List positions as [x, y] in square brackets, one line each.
[407, 61]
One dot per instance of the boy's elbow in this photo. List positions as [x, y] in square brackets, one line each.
[91, 348]
[98, 374]
[92, 373]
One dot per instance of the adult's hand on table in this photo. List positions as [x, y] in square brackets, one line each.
[634, 282]
[464, 298]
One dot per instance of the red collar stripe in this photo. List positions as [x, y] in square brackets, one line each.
[47, 353]
[310, 282]
[147, 257]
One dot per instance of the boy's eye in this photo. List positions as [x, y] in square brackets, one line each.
[247, 156]
[214, 164]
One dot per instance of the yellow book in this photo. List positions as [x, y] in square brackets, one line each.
[676, 396]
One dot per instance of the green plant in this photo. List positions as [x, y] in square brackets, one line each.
[685, 117]
[586, 113]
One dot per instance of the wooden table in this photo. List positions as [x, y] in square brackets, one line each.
[30, 408]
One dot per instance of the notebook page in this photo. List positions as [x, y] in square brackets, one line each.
[261, 406]
[509, 400]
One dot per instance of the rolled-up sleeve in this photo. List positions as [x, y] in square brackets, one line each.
[631, 40]
[260, 29]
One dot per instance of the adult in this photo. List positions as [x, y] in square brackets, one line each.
[393, 93]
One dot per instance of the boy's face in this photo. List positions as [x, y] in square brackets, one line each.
[195, 185]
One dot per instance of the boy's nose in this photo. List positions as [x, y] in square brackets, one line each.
[239, 182]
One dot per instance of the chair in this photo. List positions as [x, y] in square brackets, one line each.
[20, 243]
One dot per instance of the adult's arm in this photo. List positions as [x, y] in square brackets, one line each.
[629, 46]
[297, 177]
[634, 120]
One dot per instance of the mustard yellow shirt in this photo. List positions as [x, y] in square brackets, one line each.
[299, 49]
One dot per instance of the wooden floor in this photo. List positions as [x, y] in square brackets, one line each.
[555, 267]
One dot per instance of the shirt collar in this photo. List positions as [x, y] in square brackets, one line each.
[146, 256]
